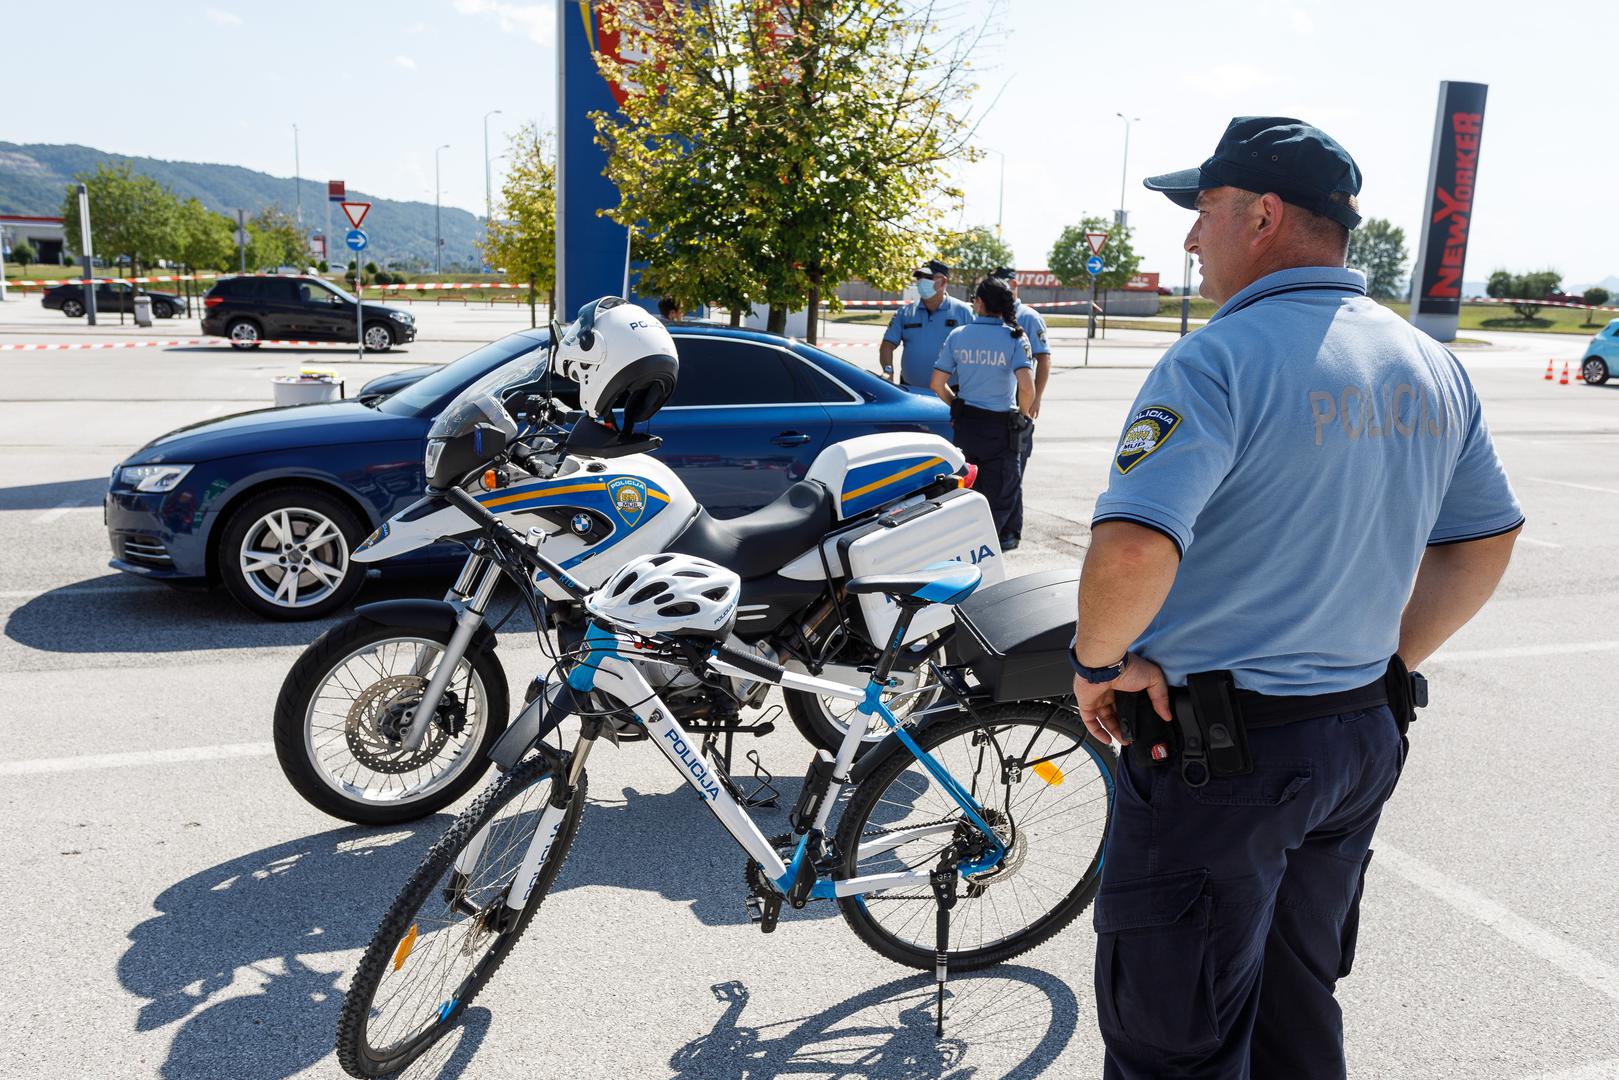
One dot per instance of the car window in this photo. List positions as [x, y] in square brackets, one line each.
[818, 386]
[279, 290]
[426, 396]
[717, 371]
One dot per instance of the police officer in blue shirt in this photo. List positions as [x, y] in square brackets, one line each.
[922, 326]
[988, 360]
[1034, 331]
[1305, 500]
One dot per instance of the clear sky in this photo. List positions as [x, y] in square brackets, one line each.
[374, 87]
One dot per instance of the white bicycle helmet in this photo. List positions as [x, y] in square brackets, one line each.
[670, 594]
[621, 357]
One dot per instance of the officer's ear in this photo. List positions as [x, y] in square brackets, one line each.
[1266, 217]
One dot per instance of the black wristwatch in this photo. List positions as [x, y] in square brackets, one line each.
[1096, 675]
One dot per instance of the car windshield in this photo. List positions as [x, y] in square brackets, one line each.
[428, 395]
[316, 284]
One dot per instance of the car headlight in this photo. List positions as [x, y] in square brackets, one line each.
[401, 316]
[435, 450]
[153, 477]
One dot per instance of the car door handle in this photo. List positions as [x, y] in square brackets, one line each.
[790, 438]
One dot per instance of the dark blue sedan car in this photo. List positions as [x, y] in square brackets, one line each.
[271, 503]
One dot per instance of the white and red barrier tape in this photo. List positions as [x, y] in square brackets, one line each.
[210, 341]
[901, 303]
[112, 280]
[1541, 303]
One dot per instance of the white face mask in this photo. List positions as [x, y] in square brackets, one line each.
[925, 288]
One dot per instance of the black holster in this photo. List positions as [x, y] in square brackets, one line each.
[1407, 691]
[1208, 736]
[1016, 423]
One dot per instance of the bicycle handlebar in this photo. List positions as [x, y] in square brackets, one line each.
[748, 661]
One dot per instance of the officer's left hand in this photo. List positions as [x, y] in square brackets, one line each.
[1034, 409]
[1095, 700]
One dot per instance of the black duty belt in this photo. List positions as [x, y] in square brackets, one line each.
[1274, 710]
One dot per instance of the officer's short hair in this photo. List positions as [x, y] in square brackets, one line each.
[1319, 228]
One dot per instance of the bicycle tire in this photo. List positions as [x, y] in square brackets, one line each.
[871, 794]
[354, 1050]
[313, 671]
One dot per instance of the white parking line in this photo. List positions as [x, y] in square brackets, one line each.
[1572, 648]
[1522, 539]
[136, 757]
[61, 510]
[1580, 487]
[1597, 974]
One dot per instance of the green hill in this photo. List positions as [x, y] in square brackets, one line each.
[34, 177]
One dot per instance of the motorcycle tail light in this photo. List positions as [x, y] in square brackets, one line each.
[969, 475]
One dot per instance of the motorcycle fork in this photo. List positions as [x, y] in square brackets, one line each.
[468, 619]
[457, 594]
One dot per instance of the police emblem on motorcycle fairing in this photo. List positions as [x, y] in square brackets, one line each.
[629, 498]
[1147, 431]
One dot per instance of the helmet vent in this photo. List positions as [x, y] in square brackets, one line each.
[656, 588]
[680, 610]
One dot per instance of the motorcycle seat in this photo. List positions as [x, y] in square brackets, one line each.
[765, 540]
[941, 583]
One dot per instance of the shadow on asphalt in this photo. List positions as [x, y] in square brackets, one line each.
[887, 1033]
[53, 495]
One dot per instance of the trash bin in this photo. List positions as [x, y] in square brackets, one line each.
[306, 388]
[143, 310]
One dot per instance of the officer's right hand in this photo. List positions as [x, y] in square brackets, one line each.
[1095, 700]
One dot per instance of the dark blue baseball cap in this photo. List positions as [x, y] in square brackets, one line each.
[1296, 161]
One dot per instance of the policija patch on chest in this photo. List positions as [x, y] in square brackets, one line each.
[1146, 432]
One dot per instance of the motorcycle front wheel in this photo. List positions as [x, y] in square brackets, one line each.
[343, 703]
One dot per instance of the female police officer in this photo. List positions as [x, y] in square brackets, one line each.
[989, 408]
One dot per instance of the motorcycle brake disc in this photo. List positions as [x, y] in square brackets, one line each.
[385, 700]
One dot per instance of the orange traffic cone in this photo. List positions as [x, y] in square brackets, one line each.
[1548, 371]
[1564, 380]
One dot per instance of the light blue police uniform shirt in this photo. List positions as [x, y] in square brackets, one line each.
[985, 358]
[922, 332]
[1303, 449]
[1034, 328]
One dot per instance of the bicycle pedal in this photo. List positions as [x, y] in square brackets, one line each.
[763, 911]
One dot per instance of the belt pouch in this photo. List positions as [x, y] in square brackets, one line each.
[1212, 697]
[1141, 725]
[1407, 691]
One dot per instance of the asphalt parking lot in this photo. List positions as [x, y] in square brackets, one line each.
[183, 913]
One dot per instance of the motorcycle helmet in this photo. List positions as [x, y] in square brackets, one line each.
[621, 357]
[670, 594]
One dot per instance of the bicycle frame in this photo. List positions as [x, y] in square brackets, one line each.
[606, 668]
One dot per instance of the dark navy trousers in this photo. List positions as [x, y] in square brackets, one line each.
[1014, 520]
[986, 441]
[1228, 913]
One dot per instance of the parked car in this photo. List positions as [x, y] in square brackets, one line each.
[1602, 355]
[111, 296]
[252, 308]
[228, 500]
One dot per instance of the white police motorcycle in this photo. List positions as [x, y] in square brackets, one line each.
[390, 715]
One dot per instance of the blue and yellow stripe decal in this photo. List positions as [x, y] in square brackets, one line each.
[873, 485]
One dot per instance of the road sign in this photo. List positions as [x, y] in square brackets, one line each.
[1094, 239]
[336, 191]
[1093, 265]
[356, 240]
[356, 211]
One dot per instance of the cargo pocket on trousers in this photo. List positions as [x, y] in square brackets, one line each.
[1351, 931]
[1154, 971]
[1270, 784]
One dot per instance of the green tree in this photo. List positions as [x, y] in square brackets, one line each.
[23, 253]
[1068, 255]
[130, 214]
[1524, 288]
[973, 253]
[1378, 249]
[207, 241]
[785, 146]
[274, 239]
[1594, 297]
[522, 237]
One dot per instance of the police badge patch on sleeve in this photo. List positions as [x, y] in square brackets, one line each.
[1149, 430]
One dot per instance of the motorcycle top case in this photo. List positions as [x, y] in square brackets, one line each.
[869, 471]
[954, 526]
[1015, 635]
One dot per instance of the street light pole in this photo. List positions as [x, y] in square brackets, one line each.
[488, 196]
[438, 231]
[297, 180]
[1124, 170]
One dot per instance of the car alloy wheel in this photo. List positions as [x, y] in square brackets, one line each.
[72, 308]
[294, 557]
[1595, 371]
[162, 311]
[243, 334]
[378, 338]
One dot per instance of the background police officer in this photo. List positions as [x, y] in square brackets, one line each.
[1034, 330]
[922, 326]
[1305, 488]
[988, 360]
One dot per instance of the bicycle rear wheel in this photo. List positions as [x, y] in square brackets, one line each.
[1046, 787]
[447, 933]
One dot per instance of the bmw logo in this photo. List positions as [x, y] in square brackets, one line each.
[582, 524]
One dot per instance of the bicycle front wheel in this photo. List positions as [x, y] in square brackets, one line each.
[450, 930]
[1046, 788]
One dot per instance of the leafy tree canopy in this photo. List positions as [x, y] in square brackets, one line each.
[1069, 253]
[1377, 248]
[522, 238]
[974, 252]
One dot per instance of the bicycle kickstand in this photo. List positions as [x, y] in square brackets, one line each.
[943, 879]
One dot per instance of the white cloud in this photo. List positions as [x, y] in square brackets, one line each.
[222, 18]
[405, 62]
[535, 20]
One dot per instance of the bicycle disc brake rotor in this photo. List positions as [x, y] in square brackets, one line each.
[383, 701]
[1017, 848]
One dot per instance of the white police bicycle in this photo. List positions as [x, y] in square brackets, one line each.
[995, 817]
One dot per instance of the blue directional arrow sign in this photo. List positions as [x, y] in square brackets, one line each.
[1093, 265]
[356, 241]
